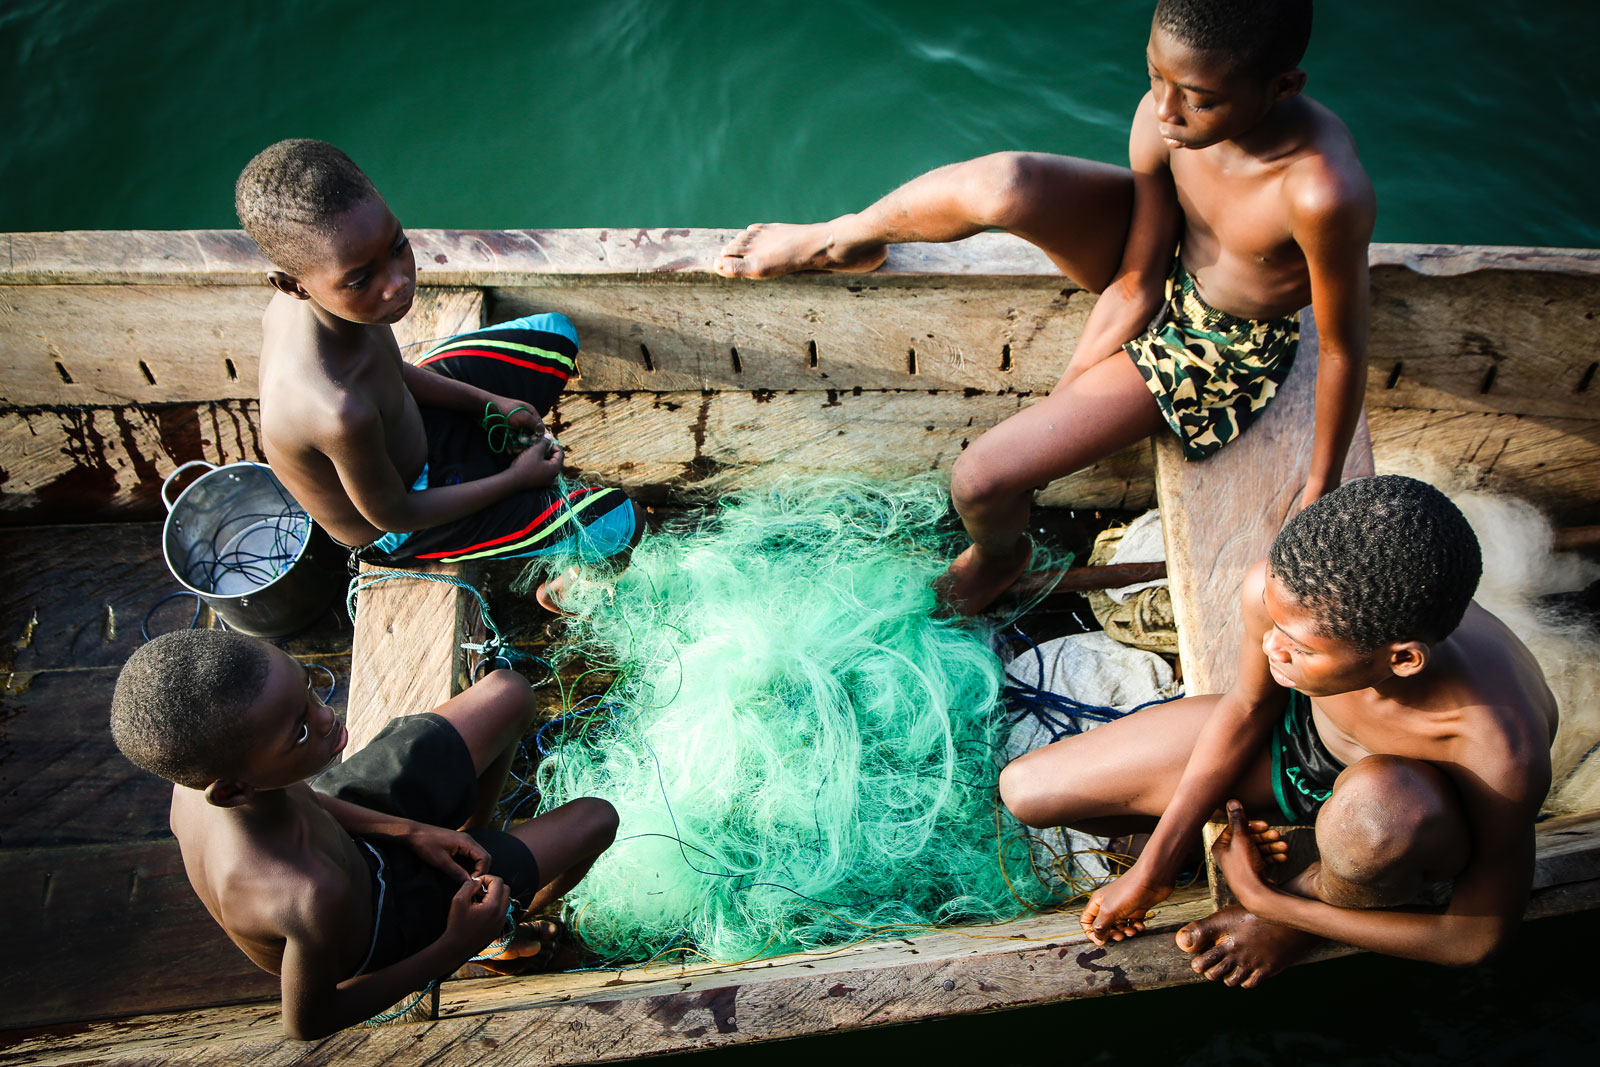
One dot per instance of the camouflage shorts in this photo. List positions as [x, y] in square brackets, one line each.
[1211, 372]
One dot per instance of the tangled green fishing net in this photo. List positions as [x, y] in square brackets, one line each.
[801, 753]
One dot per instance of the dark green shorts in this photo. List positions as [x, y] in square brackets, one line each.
[1303, 770]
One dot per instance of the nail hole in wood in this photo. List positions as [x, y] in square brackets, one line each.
[811, 353]
[1488, 380]
[233, 372]
[911, 361]
[649, 364]
[1005, 357]
[738, 367]
[1588, 376]
[1394, 376]
[144, 369]
[62, 370]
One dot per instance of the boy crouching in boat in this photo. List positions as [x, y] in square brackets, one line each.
[1243, 202]
[1373, 698]
[358, 890]
[411, 462]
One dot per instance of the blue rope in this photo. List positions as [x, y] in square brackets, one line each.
[1059, 714]
[489, 952]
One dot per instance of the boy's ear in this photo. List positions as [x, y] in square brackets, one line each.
[287, 284]
[229, 793]
[1407, 658]
[1289, 83]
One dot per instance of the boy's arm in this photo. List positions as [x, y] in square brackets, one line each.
[360, 456]
[437, 391]
[1486, 901]
[1131, 300]
[1227, 743]
[1331, 216]
[316, 1003]
[451, 851]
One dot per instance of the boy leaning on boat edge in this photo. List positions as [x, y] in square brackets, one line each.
[1245, 202]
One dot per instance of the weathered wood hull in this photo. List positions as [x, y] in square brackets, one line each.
[125, 355]
[128, 354]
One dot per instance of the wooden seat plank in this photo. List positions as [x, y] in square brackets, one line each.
[1221, 514]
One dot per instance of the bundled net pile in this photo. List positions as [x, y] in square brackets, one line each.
[802, 754]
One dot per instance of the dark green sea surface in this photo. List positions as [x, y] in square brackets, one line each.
[1479, 123]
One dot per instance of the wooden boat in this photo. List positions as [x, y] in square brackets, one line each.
[124, 355]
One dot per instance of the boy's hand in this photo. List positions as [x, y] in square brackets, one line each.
[453, 852]
[1239, 851]
[520, 417]
[478, 912]
[538, 465]
[1117, 911]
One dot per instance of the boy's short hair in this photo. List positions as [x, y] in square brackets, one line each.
[178, 701]
[292, 193]
[1262, 37]
[1380, 560]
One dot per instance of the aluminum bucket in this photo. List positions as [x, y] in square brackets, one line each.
[239, 541]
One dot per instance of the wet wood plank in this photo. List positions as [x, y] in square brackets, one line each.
[610, 1016]
[129, 909]
[70, 615]
[94, 463]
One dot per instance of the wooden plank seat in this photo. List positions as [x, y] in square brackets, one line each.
[1220, 515]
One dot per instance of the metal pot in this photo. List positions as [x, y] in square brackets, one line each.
[240, 542]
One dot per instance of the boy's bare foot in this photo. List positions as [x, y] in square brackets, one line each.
[975, 579]
[549, 593]
[532, 951]
[1234, 947]
[771, 249]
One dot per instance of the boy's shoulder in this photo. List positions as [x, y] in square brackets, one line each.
[1324, 163]
[258, 877]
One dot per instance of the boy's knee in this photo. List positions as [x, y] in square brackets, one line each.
[1026, 794]
[1392, 825]
[600, 821]
[509, 688]
[974, 486]
[1002, 188]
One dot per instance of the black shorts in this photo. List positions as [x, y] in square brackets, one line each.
[1303, 770]
[418, 767]
[528, 359]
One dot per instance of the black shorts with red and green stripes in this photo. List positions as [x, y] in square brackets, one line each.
[528, 359]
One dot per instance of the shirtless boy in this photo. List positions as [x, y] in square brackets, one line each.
[1374, 699]
[360, 889]
[411, 462]
[1244, 203]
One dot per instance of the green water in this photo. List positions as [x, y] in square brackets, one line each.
[1479, 127]
[1479, 123]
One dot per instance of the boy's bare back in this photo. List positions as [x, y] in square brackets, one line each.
[304, 879]
[334, 400]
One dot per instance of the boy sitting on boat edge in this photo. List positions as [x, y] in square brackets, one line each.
[360, 889]
[410, 462]
[1373, 697]
[1245, 202]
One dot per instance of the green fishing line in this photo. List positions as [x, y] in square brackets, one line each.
[803, 754]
